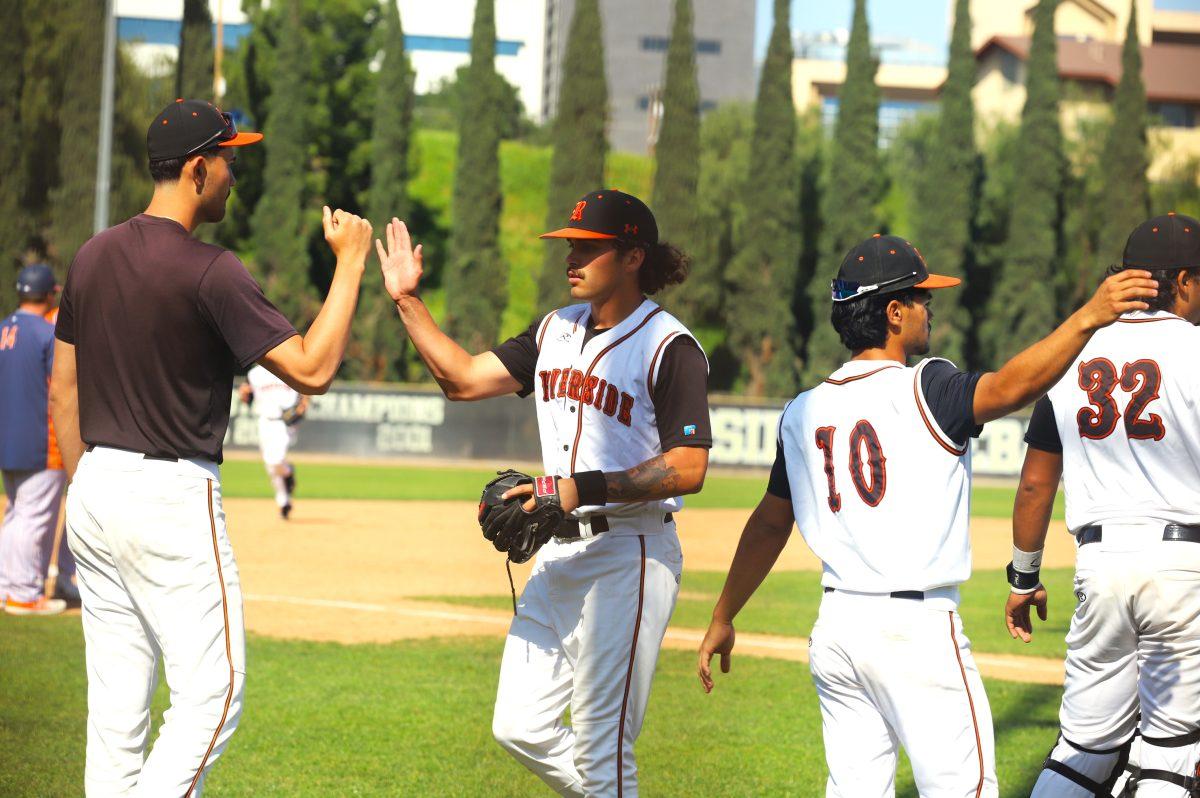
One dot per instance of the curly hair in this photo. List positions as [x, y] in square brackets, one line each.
[1166, 284]
[862, 323]
[664, 264]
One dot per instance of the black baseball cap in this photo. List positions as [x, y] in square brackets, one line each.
[610, 214]
[36, 278]
[883, 265]
[1164, 242]
[189, 127]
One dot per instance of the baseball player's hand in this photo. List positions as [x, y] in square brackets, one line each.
[245, 393]
[349, 236]
[400, 263]
[1118, 294]
[568, 495]
[717, 640]
[1016, 612]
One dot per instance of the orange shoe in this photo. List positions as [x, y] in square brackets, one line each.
[43, 606]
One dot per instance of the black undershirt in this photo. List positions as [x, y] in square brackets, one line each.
[680, 391]
[950, 395]
[1042, 433]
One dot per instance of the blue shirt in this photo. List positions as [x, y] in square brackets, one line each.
[26, 355]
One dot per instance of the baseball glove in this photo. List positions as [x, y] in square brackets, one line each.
[293, 415]
[508, 526]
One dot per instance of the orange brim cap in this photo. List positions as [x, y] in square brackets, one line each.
[938, 281]
[576, 232]
[242, 139]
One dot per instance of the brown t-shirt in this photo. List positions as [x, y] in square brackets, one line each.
[160, 322]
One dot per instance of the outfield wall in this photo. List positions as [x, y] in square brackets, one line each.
[361, 420]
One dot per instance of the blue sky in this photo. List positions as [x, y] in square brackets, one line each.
[925, 21]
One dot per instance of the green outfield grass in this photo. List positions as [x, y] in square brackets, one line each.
[414, 718]
[246, 479]
[787, 602]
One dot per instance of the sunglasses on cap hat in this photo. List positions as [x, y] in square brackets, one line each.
[845, 290]
[227, 134]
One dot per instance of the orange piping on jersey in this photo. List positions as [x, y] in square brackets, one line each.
[929, 424]
[637, 625]
[1172, 317]
[586, 376]
[545, 326]
[832, 381]
[654, 360]
[970, 702]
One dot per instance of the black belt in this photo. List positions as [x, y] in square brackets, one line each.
[915, 595]
[1093, 533]
[569, 529]
[134, 451]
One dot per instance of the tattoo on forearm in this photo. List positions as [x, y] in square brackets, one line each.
[653, 479]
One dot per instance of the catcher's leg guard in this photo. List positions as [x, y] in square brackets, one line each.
[1170, 767]
[1074, 771]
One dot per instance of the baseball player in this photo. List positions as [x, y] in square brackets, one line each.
[29, 460]
[276, 403]
[1122, 428]
[621, 393]
[873, 465]
[152, 326]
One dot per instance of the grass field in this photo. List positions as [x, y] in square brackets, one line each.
[244, 479]
[413, 719]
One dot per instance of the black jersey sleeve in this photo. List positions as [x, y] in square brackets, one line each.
[681, 396]
[777, 484]
[1042, 432]
[950, 394]
[519, 355]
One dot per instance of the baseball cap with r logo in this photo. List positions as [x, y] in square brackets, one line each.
[610, 214]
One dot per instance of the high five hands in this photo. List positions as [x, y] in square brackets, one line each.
[400, 263]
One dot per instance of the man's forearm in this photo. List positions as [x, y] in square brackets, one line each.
[1029, 374]
[663, 476]
[448, 362]
[757, 552]
[64, 409]
[326, 339]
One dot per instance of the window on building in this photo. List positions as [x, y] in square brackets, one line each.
[1175, 114]
[1010, 67]
[660, 44]
[892, 114]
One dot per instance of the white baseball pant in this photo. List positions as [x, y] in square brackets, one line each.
[274, 440]
[158, 579]
[1133, 650]
[586, 636]
[27, 534]
[896, 671]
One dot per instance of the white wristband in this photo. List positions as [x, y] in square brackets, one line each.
[1027, 561]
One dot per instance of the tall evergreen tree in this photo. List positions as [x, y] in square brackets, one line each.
[761, 276]
[72, 201]
[945, 188]
[280, 232]
[578, 134]
[1123, 161]
[14, 221]
[477, 280]
[376, 349]
[853, 187]
[194, 68]
[677, 154]
[1023, 306]
[46, 55]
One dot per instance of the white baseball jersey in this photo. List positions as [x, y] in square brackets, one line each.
[271, 395]
[594, 400]
[881, 494]
[1129, 423]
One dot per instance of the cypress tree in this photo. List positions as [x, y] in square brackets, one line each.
[578, 135]
[677, 153]
[476, 281]
[376, 345]
[762, 274]
[280, 232]
[14, 226]
[853, 186]
[1022, 307]
[1123, 161]
[72, 201]
[42, 82]
[944, 191]
[194, 68]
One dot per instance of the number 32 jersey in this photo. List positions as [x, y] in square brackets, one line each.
[1126, 420]
[880, 489]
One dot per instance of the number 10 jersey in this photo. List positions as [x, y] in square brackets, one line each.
[1127, 414]
[881, 494]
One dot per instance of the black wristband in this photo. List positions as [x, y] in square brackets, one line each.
[591, 487]
[1023, 580]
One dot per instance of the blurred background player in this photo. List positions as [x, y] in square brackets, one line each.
[279, 409]
[1122, 429]
[31, 464]
[874, 466]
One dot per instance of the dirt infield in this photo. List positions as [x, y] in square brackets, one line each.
[349, 572]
